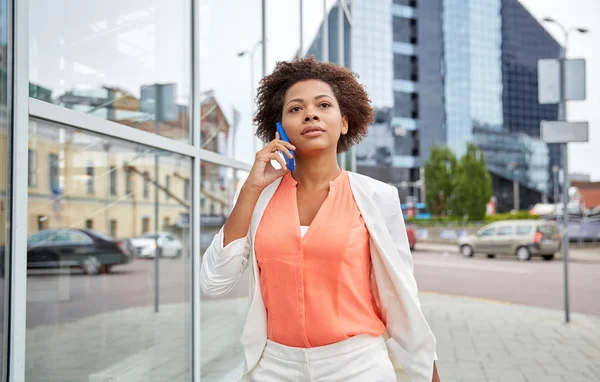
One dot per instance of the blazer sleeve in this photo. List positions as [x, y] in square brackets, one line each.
[223, 266]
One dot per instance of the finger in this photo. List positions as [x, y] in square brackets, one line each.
[285, 151]
[277, 138]
[288, 145]
[279, 159]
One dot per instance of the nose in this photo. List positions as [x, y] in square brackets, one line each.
[311, 116]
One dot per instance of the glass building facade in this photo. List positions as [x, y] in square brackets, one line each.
[524, 41]
[491, 86]
[437, 83]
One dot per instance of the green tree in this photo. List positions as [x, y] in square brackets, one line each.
[439, 169]
[472, 185]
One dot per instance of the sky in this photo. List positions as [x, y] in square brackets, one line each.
[129, 44]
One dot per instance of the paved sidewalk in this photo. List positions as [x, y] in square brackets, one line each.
[478, 340]
[579, 255]
[489, 341]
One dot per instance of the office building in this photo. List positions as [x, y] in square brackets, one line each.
[448, 72]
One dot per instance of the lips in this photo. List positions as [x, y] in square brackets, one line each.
[311, 129]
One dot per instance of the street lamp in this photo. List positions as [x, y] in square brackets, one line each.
[251, 54]
[562, 116]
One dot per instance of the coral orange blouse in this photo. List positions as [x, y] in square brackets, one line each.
[316, 287]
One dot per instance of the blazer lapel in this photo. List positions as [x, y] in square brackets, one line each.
[373, 219]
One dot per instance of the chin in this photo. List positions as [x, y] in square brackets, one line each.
[311, 148]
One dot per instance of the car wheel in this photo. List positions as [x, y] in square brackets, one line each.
[91, 265]
[178, 254]
[523, 254]
[548, 257]
[466, 250]
[491, 255]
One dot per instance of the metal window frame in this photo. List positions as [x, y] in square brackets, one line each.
[17, 314]
[24, 109]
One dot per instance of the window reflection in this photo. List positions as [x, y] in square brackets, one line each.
[108, 269]
[223, 317]
[127, 62]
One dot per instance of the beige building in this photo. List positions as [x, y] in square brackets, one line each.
[81, 181]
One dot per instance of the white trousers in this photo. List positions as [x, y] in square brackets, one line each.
[362, 358]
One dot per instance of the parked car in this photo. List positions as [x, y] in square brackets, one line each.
[91, 251]
[168, 244]
[412, 237]
[523, 238]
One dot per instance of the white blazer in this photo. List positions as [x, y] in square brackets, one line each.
[411, 341]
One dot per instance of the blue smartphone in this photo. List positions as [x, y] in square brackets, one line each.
[290, 162]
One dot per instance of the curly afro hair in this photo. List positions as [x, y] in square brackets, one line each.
[351, 96]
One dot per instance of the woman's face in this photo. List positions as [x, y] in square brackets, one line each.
[312, 118]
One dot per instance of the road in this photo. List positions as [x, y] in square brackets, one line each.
[535, 283]
[55, 298]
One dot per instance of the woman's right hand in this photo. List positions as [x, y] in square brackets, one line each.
[263, 173]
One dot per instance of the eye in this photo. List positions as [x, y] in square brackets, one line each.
[295, 109]
[325, 105]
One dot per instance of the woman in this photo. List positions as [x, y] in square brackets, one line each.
[332, 272]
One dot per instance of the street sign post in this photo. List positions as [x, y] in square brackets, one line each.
[561, 80]
[564, 132]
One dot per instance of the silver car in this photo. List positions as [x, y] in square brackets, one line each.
[523, 238]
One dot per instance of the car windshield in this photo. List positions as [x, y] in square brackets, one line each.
[149, 236]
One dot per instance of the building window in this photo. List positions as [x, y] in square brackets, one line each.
[89, 224]
[414, 68]
[404, 30]
[406, 105]
[415, 149]
[54, 171]
[113, 180]
[413, 31]
[146, 185]
[128, 189]
[186, 190]
[42, 221]
[32, 169]
[415, 105]
[168, 186]
[90, 178]
[113, 228]
[166, 223]
[145, 224]
[406, 67]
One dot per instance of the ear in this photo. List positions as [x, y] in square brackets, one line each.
[344, 125]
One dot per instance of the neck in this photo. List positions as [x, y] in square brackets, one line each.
[315, 172]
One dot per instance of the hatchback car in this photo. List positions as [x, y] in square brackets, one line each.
[168, 244]
[89, 250]
[522, 238]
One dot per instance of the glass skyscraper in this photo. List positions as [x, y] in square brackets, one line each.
[448, 72]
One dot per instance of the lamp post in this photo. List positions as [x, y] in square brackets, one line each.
[251, 54]
[562, 116]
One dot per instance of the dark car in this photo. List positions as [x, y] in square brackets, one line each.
[91, 251]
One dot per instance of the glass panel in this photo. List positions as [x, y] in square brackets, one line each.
[223, 317]
[127, 62]
[5, 163]
[504, 231]
[487, 232]
[523, 229]
[105, 304]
